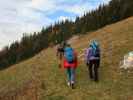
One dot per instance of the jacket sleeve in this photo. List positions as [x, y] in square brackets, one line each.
[86, 54]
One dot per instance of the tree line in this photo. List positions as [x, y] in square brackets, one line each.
[30, 45]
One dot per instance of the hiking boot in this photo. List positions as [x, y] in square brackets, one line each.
[68, 83]
[91, 78]
[72, 85]
[96, 80]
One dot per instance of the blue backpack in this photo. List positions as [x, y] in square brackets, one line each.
[96, 52]
[69, 54]
[95, 49]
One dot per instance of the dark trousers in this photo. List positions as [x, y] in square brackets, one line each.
[93, 69]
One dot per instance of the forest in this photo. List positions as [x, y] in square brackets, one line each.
[32, 44]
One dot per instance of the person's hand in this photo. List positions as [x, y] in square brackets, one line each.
[59, 65]
[56, 54]
[87, 64]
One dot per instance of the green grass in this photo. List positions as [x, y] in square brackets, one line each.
[114, 84]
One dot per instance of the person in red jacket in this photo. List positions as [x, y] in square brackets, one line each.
[70, 64]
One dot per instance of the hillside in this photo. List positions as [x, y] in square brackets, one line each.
[116, 40]
[32, 43]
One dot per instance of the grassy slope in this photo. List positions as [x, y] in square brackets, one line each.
[115, 40]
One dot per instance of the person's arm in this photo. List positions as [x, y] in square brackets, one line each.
[57, 52]
[63, 51]
[99, 52]
[76, 56]
[87, 56]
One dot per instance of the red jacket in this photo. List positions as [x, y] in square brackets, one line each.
[66, 64]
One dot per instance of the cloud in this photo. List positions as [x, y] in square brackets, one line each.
[19, 16]
[63, 18]
[83, 6]
[79, 10]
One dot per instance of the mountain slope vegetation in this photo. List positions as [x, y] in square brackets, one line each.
[116, 40]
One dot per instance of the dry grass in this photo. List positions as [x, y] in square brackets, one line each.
[116, 40]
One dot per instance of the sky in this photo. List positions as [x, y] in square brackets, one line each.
[20, 16]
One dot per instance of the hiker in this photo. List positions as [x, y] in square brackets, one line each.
[60, 52]
[92, 56]
[70, 64]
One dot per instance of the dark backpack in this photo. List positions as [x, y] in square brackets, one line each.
[96, 52]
